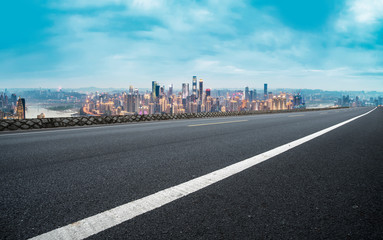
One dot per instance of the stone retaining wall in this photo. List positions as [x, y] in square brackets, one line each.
[25, 124]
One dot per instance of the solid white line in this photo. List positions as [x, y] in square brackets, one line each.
[110, 218]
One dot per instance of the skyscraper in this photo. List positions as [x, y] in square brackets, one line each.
[157, 91]
[21, 108]
[247, 94]
[154, 86]
[137, 103]
[200, 91]
[125, 101]
[208, 92]
[130, 103]
[265, 91]
[185, 90]
[14, 99]
[170, 90]
[194, 86]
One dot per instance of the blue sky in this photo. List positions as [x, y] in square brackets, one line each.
[321, 44]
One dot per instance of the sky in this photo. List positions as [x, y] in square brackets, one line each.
[317, 44]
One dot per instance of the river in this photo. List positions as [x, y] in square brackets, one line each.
[34, 110]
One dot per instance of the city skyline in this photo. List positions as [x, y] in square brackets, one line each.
[295, 44]
[160, 100]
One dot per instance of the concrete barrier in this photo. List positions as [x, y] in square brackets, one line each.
[35, 123]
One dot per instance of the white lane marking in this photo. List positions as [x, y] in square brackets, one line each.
[299, 115]
[205, 124]
[110, 218]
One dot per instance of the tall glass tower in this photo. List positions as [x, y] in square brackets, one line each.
[185, 90]
[265, 91]
[200, 90]
[247, 94]
[195, 86]
[154, 85]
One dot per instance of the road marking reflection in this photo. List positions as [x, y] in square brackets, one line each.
[205, 124]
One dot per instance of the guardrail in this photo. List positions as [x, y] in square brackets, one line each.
[35, 123]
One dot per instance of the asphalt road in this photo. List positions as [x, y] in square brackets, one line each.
[328, 188]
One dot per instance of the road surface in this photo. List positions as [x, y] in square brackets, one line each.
[330, 187]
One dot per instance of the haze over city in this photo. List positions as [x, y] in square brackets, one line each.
[330, 45]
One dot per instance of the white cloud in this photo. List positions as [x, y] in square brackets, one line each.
[147, 4]
[367, 11]
[361, 15]
[226, 42]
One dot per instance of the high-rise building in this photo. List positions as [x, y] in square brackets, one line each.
[208, 103]
[170, 90]
[185, 90]
[233, 106]
[194, 86]
[14, 99]
[157, 91]
[125, 101]
[21, 108]
[208, 92]
[130, 103]
[193, 98]
[163, 104]
[154, 87]
[200, 92]
[251, 95]
[298, 101]
[247, 94]
[152, 108]
[193, 107]
[137, 103]
[265, 91]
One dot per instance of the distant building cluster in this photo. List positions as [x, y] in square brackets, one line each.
[346, 101]
[11, 107]
[194, 100]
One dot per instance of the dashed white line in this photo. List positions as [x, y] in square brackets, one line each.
[216, 123]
